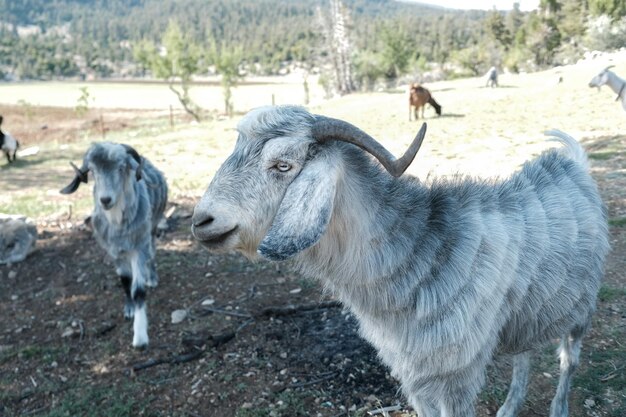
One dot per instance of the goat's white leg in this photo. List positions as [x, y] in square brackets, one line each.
[569, 352]
[138, 262]
[124, 271]
[519, 383]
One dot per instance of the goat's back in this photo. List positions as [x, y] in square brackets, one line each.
[418, 96]
[156, 187]
[563, 237]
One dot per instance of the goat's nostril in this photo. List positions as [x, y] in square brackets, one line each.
[105, 200]
[207, 220]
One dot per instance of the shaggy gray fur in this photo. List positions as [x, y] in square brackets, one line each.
[130, 195]
[441, 276]
[18, 235]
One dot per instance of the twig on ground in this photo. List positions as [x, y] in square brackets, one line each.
[82, 330]
[106, 328]
[384, 410]
[297, 308]
[197, 341]
[35, 411]
[186, 357]
[307, 383]
[244, 325]
[209, 310]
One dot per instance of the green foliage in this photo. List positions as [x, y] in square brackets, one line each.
[604, 375]
[613, 8]
[176, 63]
[474, 59]
[605, 34]
[82, 103]
[397, 50]
[608, 294]
[518, 59]
[497, 29]
[226, 61]
[370, 67]
[99, 401]
[542, 38]
[92, 37]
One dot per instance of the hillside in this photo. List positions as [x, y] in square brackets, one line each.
[269, 31]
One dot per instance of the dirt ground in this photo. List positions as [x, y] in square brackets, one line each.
[65, 349]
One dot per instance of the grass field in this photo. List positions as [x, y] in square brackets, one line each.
[483, 132]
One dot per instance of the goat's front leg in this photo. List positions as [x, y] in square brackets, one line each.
[519, 383]
[152, 279]
[139, 260]
[123, 269]
[423, 407]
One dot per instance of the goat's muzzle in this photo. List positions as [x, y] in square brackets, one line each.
[213, 232]
[106, 203]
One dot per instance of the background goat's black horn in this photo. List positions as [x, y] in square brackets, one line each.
[132, 152]
[135, 155]
[326, 128]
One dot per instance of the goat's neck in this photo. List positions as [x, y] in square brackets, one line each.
[371, 236]
[617, 84]
[126, 208]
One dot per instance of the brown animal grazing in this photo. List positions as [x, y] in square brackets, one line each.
[418, 97]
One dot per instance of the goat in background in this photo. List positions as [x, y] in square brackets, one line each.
[8, 144]
[130, 195]
[617, 84]
[492, 77]
[441, 276]
[418, 98]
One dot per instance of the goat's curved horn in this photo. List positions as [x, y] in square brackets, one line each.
[135, 155]
[81, 175]
[326, 128]
[608, 68]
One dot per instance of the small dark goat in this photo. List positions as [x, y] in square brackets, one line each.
[418, 97]
[129, 198]
[8, 144]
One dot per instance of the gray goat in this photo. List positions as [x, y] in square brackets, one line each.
[129, 198]
[441, 276]
[616, 83]
[8, 144]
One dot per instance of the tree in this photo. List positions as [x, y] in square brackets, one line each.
[370, 67]
[341, 46]
[497, 29]
[226, 61]
[176, 62]
[549, 7]
[613, 8]
[397, 51]
[335, 28]
[542, 38]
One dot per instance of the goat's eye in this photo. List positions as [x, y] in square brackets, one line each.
[283, 166]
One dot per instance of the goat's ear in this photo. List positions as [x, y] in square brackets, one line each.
[135, 155]
[72, 186]
[304, 213]
[81, 176]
